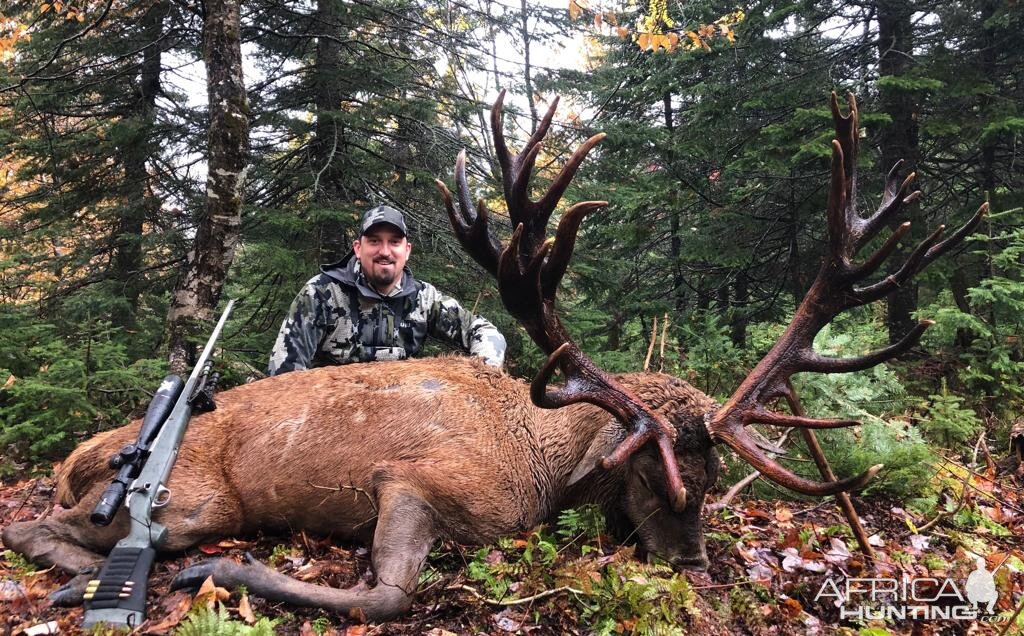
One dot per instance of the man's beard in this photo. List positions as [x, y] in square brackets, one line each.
[379, 277]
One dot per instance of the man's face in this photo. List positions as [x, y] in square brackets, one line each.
[382, 253]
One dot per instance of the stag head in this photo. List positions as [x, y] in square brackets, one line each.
[531, 266]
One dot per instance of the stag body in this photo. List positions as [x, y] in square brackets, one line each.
[399, 454]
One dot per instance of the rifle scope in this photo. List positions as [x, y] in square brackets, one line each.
[129, 459]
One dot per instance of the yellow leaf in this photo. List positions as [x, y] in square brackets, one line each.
[644, 41]
[598, 20]
[574, 9]
[611, 18]
[58, 6]
[81, 17]
[622, 32]
[673, 41]
[11, 379]
[245, 610]
[43, 8]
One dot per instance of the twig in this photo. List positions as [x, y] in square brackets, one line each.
[732, 492]
[974, 455]
[31, 491]
[1013, 619]
[743, 483]
[355, 490]
[661, 351]
[650, 347]
[516, 601]
[948, 513]
[725, 585]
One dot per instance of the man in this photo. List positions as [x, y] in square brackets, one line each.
[369, 307]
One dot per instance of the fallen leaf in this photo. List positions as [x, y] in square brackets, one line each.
[306, 630]
[792, 561]
[355, 630]
[791, 607]
[838, 552]
[245, 610]
[207, 548]
[783, 515]
[177, 606]
[42, 628]
[228, 544]
[209, 594]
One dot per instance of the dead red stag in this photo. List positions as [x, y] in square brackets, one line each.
[403, 453]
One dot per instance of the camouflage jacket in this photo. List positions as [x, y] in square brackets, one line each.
[337, 318]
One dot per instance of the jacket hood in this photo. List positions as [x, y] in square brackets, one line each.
[344, 272]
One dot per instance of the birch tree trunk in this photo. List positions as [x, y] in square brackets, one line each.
[219, 229]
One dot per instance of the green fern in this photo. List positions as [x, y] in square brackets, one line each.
[207, 621]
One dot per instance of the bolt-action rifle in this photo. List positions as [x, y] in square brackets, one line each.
[117, 596]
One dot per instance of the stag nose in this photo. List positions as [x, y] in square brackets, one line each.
[691, 563]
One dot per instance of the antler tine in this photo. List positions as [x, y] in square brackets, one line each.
[565, 242]
[471, 229]
[745, 448]
[843, 193]
[529, 270]
[895, 198]
[832, 292]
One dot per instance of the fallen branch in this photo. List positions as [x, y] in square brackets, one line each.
[516, 601]
[721, 586]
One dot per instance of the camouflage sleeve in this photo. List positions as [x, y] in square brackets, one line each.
[301, 332]
[447, 319]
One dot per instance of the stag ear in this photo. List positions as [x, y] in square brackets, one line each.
[605, 442]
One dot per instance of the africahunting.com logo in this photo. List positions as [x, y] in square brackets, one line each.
[924, 598]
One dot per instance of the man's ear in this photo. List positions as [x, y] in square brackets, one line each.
[408, 249]
[356, 246]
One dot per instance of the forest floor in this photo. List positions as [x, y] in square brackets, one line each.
[775, 568]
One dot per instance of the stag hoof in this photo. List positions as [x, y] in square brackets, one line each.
[72, 593]
[193, 576]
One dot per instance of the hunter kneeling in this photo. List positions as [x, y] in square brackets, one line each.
[369, 307]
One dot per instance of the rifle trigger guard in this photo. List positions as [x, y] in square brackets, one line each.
[163, 496]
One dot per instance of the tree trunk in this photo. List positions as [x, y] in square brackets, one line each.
[899, 140]
[140, 204]
[219, 230]
[675, 240]
[524, 29]
[328, 145]
[738, 326]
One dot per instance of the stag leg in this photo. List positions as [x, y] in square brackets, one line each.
[65, 542]
[404, 534]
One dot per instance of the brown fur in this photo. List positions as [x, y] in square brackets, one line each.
[321, 449]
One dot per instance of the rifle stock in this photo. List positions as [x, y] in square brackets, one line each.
[117, 596]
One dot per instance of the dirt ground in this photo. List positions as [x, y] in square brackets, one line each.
[769, 562]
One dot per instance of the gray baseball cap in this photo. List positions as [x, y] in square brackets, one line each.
[382, 214]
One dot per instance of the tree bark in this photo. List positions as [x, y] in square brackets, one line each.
[524, 27]
[219, 230]
[675, 220]
[328, 145]
[739, 318]
[899, 140]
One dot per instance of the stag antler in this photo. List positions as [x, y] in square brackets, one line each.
[529, 270]
[833, 291]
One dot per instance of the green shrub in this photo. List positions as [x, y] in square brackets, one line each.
[946, 422]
